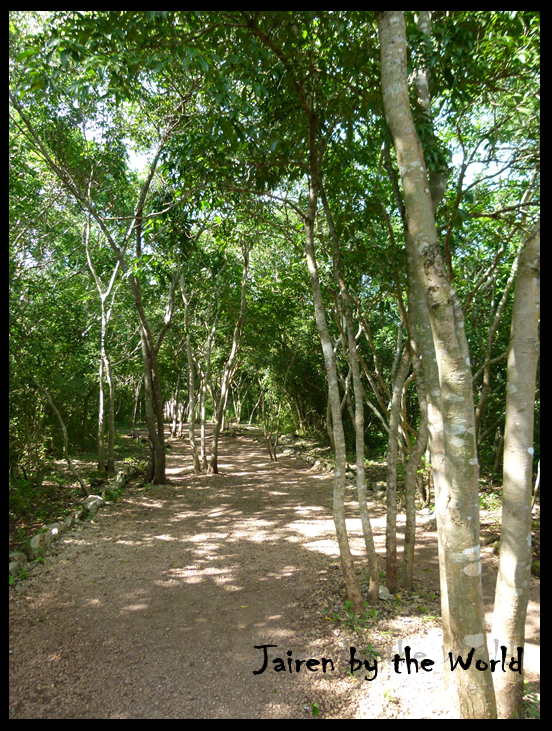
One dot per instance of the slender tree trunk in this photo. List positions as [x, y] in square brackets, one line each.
[154, 394]
[135, 405]
[228, 372]
[255, 407]
[391, 568]
[537, 485]
[299, 417]
[105, 366]
[514, 570]
[349, 574]
[358, 420]
[175, 410]
[458, 499]
[204, 388]
[485, 388]
[153, 437]
[266, 433]
[101, 417]
[308, 106]
[110, 418]
[191, 379]
[415, 457]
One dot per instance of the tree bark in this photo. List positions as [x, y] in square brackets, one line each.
[105, 365]
[391, 569]
[358, 420]
[229, 371]
[347, 565]
[307, 105]
[415, 456]
[458, 499]
[191, 379]
[514, 570]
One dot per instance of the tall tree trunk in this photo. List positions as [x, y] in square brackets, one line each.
[514, 570]
[101, 418]
[135, 404]
[348, 568]
[349, 574]
[156, 448]
[174, 415]
[229, 371]
[391, 569]
[299, 417]
[110, 418]
[105, 365]
[485, 388]
[415, 457]
[458, 498]
[358, 420]
[191, 379]
[204, 388]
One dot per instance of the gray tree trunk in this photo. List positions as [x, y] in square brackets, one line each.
[514, 571]
[414, 459]
[391, 569]
[373, 593]
[229, 371]
[347, 565]
[191, 378]
[458, 499]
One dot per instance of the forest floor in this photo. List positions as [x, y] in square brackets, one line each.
[160, 606]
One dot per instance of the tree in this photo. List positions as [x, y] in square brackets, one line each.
[514, 572]
[457, 499]
[59, 160]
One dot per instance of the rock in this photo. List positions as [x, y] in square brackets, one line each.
[80, 513]
[487, 538]
[93, 503]
[426, 518]
[19, 557]
[43, 540]
[56, 529]
[39, 544]
[384, 593]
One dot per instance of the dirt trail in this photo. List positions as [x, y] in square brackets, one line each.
[153, 610]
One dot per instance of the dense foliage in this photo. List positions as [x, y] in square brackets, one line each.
[212, 105]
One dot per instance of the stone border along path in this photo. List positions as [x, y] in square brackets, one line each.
[43, 540]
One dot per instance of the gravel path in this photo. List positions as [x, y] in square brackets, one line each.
[154, 609]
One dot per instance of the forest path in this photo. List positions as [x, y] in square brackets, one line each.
[154, 609]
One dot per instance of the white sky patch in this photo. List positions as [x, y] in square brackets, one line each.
[137, 161]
